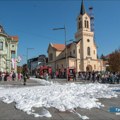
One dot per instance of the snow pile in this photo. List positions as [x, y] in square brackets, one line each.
[42, 81]
[62, 97]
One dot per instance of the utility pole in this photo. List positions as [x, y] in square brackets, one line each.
[64, 28]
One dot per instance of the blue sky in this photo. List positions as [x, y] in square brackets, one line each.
[33, 20]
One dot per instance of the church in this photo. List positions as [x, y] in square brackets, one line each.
[81, 54]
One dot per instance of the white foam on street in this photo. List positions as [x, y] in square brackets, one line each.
[62, 97]
[42, 81]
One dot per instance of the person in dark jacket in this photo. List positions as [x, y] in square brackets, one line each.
[25, 73]
[93, 76]
[6, 76]
[13, 76]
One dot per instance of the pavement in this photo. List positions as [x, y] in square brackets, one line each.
[9, 112]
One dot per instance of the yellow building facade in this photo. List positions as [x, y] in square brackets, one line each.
[81, 54]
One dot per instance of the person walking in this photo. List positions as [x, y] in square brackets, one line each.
[19, 76]
[13, 76]
[74, 76]
[93, 76]
[25, 73]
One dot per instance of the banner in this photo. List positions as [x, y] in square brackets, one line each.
[19, 59]
[13, 63]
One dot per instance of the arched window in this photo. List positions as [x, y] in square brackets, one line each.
[1, 45]
[87, 24]
[80, 24]
[88, 51]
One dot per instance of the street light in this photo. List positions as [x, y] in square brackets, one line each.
[27, 57]
[64, 28]
[27, 54]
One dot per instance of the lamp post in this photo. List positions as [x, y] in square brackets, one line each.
[64, 28]
[27, 58]
[27, 53]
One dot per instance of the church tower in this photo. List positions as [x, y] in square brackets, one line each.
[81, 54]
[84, 35]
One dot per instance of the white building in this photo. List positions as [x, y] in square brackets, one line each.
[8, 51]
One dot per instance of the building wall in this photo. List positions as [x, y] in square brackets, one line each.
[72, 63]
[5, 53]
[58, 54]
[75, 57]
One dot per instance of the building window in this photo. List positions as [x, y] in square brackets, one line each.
[70, 53]
[73, 51]
[87, 24]
[12, 54]
[88, 51]
[94, 52]
[1, 45]
[50, 56]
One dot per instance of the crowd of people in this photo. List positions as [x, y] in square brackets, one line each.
[15, 76]
[10, 76]
[102, 77]
[94, 76]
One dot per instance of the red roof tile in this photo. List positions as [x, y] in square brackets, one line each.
[15, 38]
[59, 46]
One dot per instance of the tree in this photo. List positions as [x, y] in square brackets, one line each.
[102, 57]
[114, 61]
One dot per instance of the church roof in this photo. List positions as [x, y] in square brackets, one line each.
[82, 11]
[58, 46]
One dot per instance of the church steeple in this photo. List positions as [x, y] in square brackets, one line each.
[82, 11]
